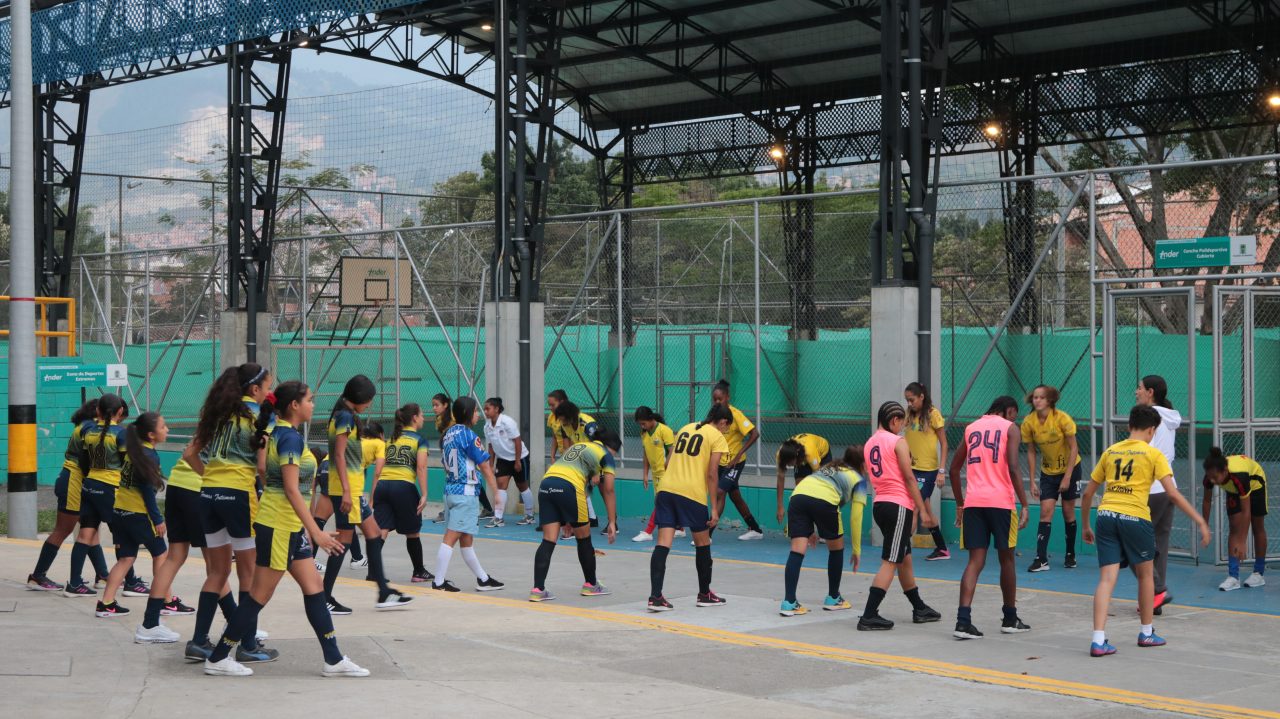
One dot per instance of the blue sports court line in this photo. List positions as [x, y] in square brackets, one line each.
[1192, 586]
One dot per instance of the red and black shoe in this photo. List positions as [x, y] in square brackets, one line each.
[659, 604]
[710, 599]
[42, 584]
[175, 607]
[110, 610]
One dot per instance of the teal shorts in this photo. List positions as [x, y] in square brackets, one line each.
[1123, 539]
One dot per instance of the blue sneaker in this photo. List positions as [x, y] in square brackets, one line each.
[836, 604]
[791, 609]
[255, 655]
[1101, 650]
[1151, 640]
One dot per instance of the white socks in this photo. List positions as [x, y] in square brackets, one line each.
[1147, 630]
[1099, 637]
[469, 556]
[499, 508]
[443, 555]
[527, 498]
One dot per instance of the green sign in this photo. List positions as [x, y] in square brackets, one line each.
[1207, 252]
[83, 375]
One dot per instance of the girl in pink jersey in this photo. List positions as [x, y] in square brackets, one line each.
[897, 497]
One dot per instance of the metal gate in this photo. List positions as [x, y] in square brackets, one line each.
[1246, 393]
[1145, 331]
[689, 365]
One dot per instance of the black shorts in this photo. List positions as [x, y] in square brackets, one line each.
[980, 526]
[97, 504]
[360, 511]
[729, 476]
[277, 549]
[131, 530]
[507, 468]
[184, 516]
[232, 510]
[1049, 484]
[1258, 501]
[395, 506]
[560, 502]
[897, 524]
[806, 514]
[676, 510]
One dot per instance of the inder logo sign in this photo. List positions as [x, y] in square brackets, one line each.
[1207, 252]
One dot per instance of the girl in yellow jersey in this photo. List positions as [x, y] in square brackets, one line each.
[279, 535]
[554, 398]
[657, 439]
[1244, 500]
[400, 492]
[67, 489]
[373, 445]
[741, 435]
[576, 426]
[685, 500]
[927, 440]
[805, 453]
[222, 452]
[137, 515]
[814, 511]
[1053, 433]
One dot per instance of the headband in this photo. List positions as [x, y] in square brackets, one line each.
[262, 372]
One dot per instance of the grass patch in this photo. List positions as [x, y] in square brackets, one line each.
[45, 519]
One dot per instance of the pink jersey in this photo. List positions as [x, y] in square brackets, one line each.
[987, 468]
[882, 464]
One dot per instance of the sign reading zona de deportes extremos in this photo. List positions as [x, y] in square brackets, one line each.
[83, 375]
[1207, 252]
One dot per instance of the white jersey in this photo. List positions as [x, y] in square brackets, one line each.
[1163, 440]
[502, 435]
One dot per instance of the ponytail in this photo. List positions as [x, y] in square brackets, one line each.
[358, 390]
[717, 413]
[140, 460]
[286, 394]
[108, 406]
[926, 403]
[853, 459]
[222, 404]
[373, 430]
[791, 452]
[1159, 390]
[87, 411]
[567, 412]
[403, 418]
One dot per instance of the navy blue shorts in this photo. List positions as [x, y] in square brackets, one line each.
[674, 510]
[228, 509]
[980, 526]
[806, 515]
[561, 502]
[926, 481]
[359, 508]
[1049, 484]
[97, 504]
[395, 506]
[729, 477]
[184, 516]
[132, 530]
[804, 470]
[1123, 539]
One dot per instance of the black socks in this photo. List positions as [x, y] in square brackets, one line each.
[791, 576]
[414, 547]
[702, 560]
[657, 570]
[322, 623]
[587, 558]
[542, 563]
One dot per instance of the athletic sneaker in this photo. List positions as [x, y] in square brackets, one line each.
[320, 566]
[358, 563]
[228, 667]
[680, 532]
[540, 595]
[1039, 565]
[110, 610]
[594, 590]
[486, 513]
[257, 655]
[1069, 562]
[966, 630]
[423, 576]
[1150, 640]
[392, 600]
[1230, 584]
[750, 535]
[44, 584]
[925, 615]
[138, 588]
[874, 623]
[659, 604]
[197, 652]
[791, 609]
[159, 634]
[260, 636]
[447, 586]
[175, 607]
[835, 604]
[439, 518]
[344, 668]
[489, 585]
[495, 523]
[528, 519]
[78, 590]
[1254, 580]
[643, 536]
[710, 599]
[336, 608]
[100, 581]
[1014, 626]
[1162, 599]
[1101, 650]
[938, 554]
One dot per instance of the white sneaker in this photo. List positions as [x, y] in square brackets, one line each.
[226, 668]
[750, 535]
[159, 634]
[679, 532]
[1230, 584]
[344, 668]
[1255, 580]
[358, 563]
[320, 566]
[642, 537]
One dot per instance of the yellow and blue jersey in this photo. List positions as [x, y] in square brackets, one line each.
[75, 447]
[135, 493]
[833, 484]
[581, 462]
[345, 422]
[402, 457]
[104, 450]
[462, 453]
[184, 476]
[233, 462]
[284, 448]
[579, 433]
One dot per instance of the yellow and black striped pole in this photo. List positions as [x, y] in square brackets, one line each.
[22, 310]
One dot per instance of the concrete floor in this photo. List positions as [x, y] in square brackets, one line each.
[606, 656]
